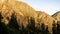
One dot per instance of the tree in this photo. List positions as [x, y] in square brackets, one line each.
[58, 27]
[31, 25]
[32, 21]
[54, 28]
[2, 26]
[0, 17]
[38, 29]
[46, 30]
[13, 22]
[42, 28]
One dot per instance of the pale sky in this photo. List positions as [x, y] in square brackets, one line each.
[48, 6]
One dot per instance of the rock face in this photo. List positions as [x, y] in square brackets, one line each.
[23, 13]
[20, 9]
[46, 19]
[56, 16]
[26, 9]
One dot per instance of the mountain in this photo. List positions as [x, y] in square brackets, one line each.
[20, 9]
[46, 19]
[26, 9]
[56, 16]
[24, 15]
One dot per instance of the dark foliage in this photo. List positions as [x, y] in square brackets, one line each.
[2, 26]
[46, 30]
[13, 28]
[42, 28]
[58, 27]
[13, 22]
[31, 26]
[54, 28]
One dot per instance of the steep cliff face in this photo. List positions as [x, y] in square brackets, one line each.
[26, 9]
[56, 16]
[46, 19]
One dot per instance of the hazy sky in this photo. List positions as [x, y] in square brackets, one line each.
[48, 6]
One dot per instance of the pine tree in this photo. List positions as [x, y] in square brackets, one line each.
[31, 25]
[46, 30]
[42, 28]
[58, 27]
[12, 27]
[3, 27]
[13, 22]
[38, 29]
[1, 30]
[54, 28]
[32, 21]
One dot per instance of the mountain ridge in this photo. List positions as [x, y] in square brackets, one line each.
[23, 13]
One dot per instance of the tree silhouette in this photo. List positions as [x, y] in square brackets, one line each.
[38, 29]
[42, 28]
[31, 25]
[32, 21]
[13, 22]
[58, 27]
[46, 30]
[54, 28]
[2, 26]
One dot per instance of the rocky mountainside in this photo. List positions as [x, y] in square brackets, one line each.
[18, 15]
[20, 9]
[56, 16]
[46, 19]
